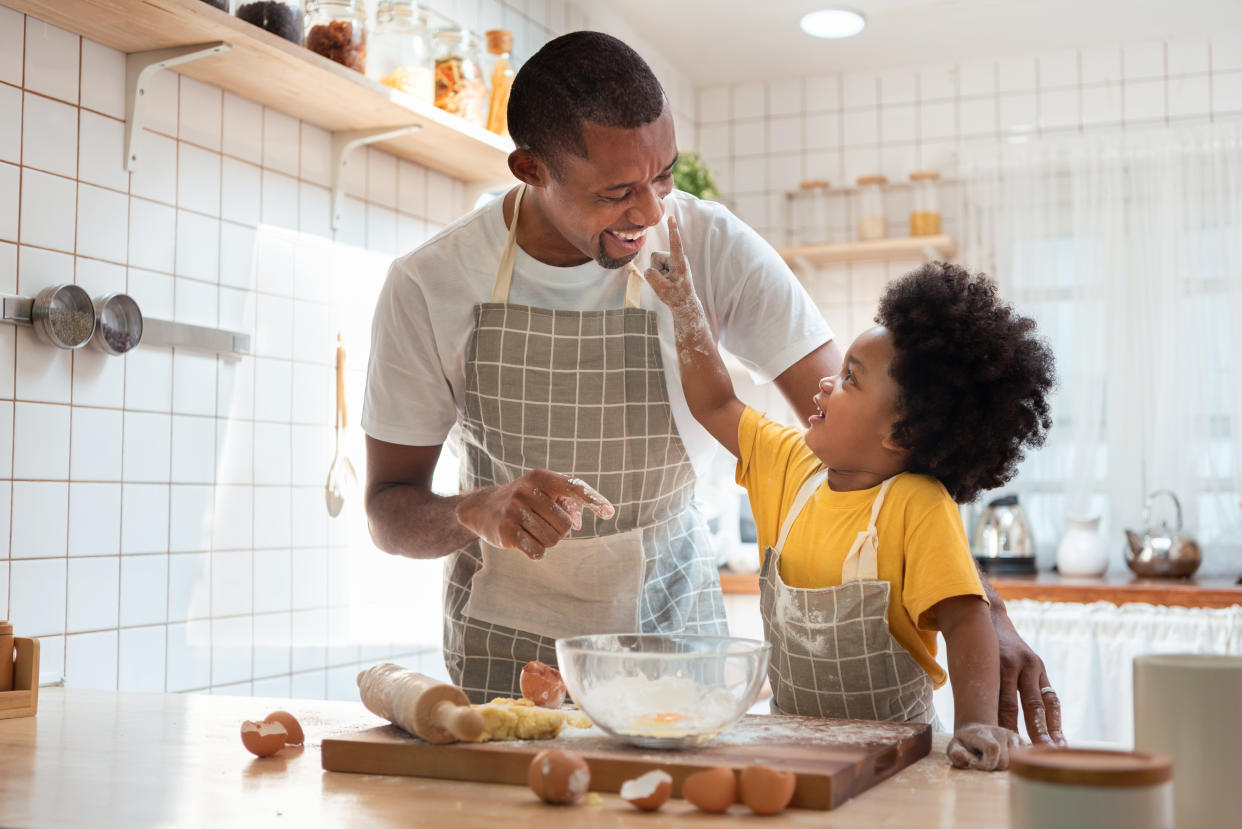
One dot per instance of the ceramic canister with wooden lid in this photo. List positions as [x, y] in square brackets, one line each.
[1073, 788]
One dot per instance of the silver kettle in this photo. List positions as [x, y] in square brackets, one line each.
[1002, 541]
[1162, 551]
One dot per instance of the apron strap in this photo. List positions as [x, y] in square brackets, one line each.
[861, 563]
[508, 257]
[504, 273]
[795, 509]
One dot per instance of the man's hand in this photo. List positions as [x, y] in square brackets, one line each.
[531, 514]
[1023, 679]
[982, 747]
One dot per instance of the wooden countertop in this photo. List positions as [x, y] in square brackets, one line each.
[1118, 588]
[108, 759]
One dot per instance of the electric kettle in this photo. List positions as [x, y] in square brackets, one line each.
[1002, 541]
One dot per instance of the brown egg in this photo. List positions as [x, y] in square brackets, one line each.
[292, 726]
[557, 776]
[648, 792]
[712, 790]
[263, 739]
[542, 685]
[765, 790]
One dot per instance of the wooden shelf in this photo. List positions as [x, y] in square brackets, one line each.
[913, 247]
[270, 70]
[1119, 588]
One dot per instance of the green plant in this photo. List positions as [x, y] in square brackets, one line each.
[693, 176]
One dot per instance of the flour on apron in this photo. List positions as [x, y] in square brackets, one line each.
[581, 393]
[832, 652]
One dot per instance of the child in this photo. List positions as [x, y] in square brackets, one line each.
[865, 555]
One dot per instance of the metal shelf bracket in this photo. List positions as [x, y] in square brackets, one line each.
[345, 142]
[183, 335]
[139, 67]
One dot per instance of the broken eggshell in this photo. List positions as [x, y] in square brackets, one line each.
[765, 790]
[711, 790]
[291, 724]
[263, 739]
[648, 792]
[558, 776]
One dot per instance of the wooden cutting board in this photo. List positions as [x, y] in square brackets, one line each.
[834, 760]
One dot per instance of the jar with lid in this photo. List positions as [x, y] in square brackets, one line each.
[337, 29]
[400, 53]
[808, 219]
[280, 17]
[1076, 788]
[498, 68]
[459, 78]
[871, 221]
[925, 209]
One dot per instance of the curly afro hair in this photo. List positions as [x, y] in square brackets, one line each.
[973, 375]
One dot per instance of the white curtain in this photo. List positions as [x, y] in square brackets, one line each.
[1126, 247]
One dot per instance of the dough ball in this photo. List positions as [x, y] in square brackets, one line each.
[712, 790]
[558, 776]
[648, 792]
[542, 685]
[263, 739]
[291, 724]
[765, 790]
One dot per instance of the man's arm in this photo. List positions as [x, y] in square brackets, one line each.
[406, 518]
[1023, 680]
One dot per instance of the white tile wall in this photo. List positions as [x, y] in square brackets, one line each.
[169, 529]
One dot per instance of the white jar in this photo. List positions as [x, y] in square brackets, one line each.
[1073, 788]
[1080, 552]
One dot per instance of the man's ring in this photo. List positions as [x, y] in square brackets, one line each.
[1047, 689]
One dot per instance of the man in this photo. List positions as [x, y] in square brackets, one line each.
[521, 329]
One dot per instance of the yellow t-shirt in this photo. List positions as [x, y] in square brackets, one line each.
[923, 551]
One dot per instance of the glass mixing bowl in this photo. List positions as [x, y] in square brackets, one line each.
[660, 690]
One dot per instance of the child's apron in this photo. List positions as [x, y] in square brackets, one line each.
[582, 393]
[832, 652]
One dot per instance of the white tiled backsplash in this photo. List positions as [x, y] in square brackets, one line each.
[763, 138]
[163, 526]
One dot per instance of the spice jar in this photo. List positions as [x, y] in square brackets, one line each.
[337, 29]
[925, 211]
[400, 53]
[1074, 788]
[280, 17]
[499, 69]
[459, 79]
[871, 221]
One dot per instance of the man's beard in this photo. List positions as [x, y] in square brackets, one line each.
[607, 262]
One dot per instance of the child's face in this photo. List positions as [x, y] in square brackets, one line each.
[857, 410]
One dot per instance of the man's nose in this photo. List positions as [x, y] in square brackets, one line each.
[648, 209]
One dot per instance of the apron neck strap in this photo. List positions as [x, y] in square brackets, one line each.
[795, 509]
[861, 562]
[508, 258]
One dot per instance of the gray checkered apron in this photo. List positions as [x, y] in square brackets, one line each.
[581, 393]
[832, 652]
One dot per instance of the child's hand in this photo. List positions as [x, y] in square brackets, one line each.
[669, 274]
[982, 747]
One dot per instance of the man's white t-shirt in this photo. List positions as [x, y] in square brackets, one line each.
[416, 379]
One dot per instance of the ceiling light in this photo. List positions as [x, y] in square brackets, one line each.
[833, 23]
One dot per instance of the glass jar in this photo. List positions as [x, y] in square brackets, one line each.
[925, 207]
[459, 79]
[809, 203]
[871, 221]
[498, 68]
[400, 53]
[280, 17]
[337, 29]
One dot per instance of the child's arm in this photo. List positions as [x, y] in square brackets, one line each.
[974, 671]
[709, 391]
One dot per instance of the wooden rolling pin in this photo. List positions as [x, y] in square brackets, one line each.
[434, 711]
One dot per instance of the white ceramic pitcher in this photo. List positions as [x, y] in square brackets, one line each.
[1080, 552]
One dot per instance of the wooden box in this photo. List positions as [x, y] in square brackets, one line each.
[23, 700]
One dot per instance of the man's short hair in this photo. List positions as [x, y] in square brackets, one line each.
[576, 79]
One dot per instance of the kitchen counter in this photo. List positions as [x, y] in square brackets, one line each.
[108, 759]
[1118, 588]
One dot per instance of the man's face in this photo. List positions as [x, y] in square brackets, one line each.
[603, 204]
